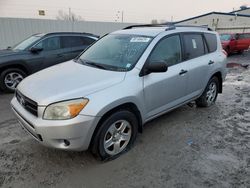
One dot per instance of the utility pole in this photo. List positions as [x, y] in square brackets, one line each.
[69, 13]
[122, 16]
[71, 20]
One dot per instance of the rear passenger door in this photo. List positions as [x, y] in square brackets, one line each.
[197, 62]
[74, 45]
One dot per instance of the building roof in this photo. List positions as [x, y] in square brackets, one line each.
[218, 13]
[240, 10]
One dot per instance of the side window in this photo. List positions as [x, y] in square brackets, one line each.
[72, 41]
[241, 36]
[194, 46]
[211, 40]
[167, 50]
[248, 35]
[87, 41]
[52, 43]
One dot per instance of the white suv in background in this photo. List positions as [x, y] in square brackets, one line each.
[102, 99]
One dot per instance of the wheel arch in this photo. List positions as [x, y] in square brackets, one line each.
[125, 106]
[14, 65]
[219, 76]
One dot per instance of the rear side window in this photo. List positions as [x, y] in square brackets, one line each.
[211, 40]
[71, 41]
[247, 35]
[194, 46]
[76, 41]
[244, 36]
[87, 40]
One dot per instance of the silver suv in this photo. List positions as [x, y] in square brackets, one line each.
[102, 99]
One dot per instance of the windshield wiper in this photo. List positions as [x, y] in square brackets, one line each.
[93, 64]
[96, 65]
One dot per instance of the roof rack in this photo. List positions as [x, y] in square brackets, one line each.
[77, 33]
[168, 26]
[196, 26]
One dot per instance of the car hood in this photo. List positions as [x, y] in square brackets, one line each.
[4, 53]
[65, 81]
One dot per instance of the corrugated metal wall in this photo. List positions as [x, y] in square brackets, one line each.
[244, 29]
[14, 30]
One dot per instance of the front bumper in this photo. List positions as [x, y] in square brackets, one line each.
[74, 134]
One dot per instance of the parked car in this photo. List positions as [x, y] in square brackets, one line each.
[38, 52]
[237, 42]
[102, 99]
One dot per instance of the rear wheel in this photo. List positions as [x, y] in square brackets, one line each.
[228, 51]
[10, 78]
[210, 94]
[116, 135]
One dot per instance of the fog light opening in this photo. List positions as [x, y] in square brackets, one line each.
[66, 142]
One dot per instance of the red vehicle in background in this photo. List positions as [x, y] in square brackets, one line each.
[235, 42]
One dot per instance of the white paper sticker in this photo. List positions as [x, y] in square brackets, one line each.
[128, 65]
[140, 39]
[194, 43]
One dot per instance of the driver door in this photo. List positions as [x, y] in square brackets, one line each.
[162, 91]
[52, 52]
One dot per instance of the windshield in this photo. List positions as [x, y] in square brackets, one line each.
[116, 52]
[225, 37]
[26, 43]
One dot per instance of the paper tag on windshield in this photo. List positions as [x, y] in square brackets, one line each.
[128, 65]
[194, 43]
[140, 39]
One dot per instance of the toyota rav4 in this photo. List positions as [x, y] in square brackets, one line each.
[102, 99]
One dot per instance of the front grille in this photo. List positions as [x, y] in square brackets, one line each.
[30, 105]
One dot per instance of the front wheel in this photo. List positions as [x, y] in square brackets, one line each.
[116, 135]
[210, 94]
[10, 78]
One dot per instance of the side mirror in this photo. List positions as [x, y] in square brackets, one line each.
[237, 37]
[154, 67]
[36, 49]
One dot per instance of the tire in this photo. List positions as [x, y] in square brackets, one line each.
[108, 133]
[210, 94]
[228, 51]
[10, 78]
[240, 52]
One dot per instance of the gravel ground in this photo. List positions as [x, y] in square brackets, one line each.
[188, 147]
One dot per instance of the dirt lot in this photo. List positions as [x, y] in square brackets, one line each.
[189, 147]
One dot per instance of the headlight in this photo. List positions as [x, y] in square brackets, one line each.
[65, 110]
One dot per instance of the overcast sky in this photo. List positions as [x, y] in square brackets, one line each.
[107, 10]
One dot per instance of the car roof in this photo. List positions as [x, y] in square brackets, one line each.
[154, 30]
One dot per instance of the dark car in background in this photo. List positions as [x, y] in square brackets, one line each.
[38, 52]
[235, 42]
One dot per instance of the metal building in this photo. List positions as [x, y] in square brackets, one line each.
[236, 21]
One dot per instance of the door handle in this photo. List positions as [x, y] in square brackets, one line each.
[183, 72]
[210, 62]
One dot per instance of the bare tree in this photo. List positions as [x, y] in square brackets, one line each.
[154, 21]
[70, 16]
